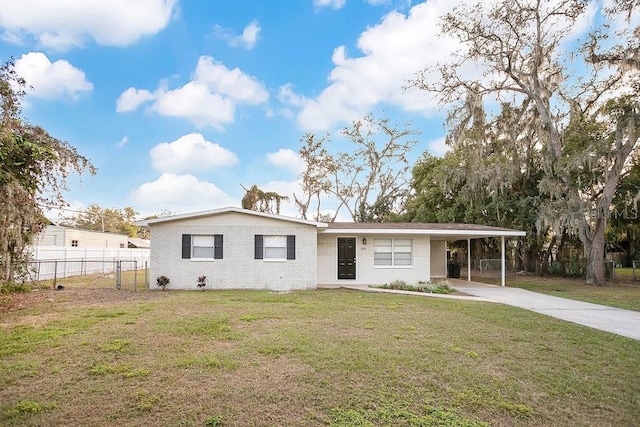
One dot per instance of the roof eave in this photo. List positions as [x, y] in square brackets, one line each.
[476, 234]
[146, 223]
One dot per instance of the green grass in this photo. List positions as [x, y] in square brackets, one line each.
[624, 293]
[325, 358]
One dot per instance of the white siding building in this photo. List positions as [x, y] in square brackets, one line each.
[55, 235]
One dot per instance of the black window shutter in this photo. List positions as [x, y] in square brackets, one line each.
[217, 246]
[258, 252]
[291, 247]
[186, 246]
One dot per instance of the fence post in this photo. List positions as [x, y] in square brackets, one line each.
[55, 273]
[118, 275]
[135, 275]
[146, 274]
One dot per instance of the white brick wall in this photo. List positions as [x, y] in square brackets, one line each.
[238, 269]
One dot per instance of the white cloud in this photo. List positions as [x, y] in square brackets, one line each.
[378, 2]
[232, 83]
[179, 194]
[132, 98]
[190, 153]
[392, 52]
[210, 99]
[196, 103]
[11, 38]
[247, 39]
[50, 80]
[438, 147]
[287, 159]
[63, 24]
[333, 4]
[124, 141]
[287, 95]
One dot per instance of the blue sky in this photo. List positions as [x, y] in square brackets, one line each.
[178, 103]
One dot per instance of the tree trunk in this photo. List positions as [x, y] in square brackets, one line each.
[594, 251]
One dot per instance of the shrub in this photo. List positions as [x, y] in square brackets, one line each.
[162, 281]
[397, 284]
[10, 288]
[430, 287]
[202, 282]
[434, 287]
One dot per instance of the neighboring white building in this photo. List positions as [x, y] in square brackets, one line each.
[242, 249]
[55, 235]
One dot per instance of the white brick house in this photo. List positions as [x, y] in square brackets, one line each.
[242, 249]
[236, 249]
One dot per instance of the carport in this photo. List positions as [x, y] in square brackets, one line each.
[468, 232]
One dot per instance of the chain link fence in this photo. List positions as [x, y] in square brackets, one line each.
[129, 274]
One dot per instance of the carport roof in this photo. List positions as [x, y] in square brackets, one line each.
[441, 231]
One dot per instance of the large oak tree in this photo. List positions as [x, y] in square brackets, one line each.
[581, 105]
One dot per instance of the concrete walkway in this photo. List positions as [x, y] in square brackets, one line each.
[609, 319]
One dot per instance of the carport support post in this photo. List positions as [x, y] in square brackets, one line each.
[502, 255]
[468, 260]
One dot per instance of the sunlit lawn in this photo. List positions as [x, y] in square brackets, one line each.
[333, 357]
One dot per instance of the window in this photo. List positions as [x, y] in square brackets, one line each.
[392, 252]
[74, 243]
[275, 247]
[202, 246]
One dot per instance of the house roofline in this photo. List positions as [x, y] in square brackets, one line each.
[449, 231]
[229, 209]
[460, 233]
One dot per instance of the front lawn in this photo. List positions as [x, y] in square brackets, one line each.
[102, 357]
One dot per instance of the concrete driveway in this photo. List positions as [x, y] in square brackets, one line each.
[609, 319]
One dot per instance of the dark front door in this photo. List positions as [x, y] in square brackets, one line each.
[347, 258]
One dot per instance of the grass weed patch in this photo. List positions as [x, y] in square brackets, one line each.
[123, 370]
[23, 409]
